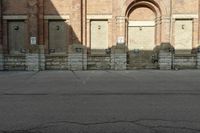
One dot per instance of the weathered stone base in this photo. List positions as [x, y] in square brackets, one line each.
[42, 58]
[119, 57]
[14, 62]
[32, 62]
[99, 62]
[56, 62]
[42, 62]
[77, 57]
[118, 61]
[165, 60]
[77, 61]
[185, 61]
[1, 62]
[198, 60]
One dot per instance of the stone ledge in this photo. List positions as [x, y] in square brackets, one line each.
[32, 62]
[1, 62]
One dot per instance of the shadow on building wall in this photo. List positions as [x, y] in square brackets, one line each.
[36, 28]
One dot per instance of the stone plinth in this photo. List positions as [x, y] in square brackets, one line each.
[41, 58]
[77, 57]
[1, 62]
[32, 62]
[56, 62]
[166, 56]
[118, 57]
[198, 60]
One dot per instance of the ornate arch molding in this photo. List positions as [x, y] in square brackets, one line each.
[155, 6]
[159, 4]
[148, 5]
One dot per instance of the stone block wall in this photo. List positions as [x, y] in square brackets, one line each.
[42, 61]
[198, 60]
[77, 57]
[119, 57]
[185, 61]
[118, 61]
[165, 60]
[56, 62]
[99, 62]
[42, 58]
[77, 61]
[1, 62]
[32, 62]
[14, 62]
[166, 56]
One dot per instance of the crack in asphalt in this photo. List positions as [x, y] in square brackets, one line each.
[104, 94]
[139, 122]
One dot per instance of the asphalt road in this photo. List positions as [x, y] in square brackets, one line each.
[142, 101]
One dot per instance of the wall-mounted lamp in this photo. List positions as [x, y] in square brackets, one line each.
[99, 27]
[22, 50]
[78, 50]
[108, 51]
[183, 26]
[57, 27]
[52, 50]
[16, 27]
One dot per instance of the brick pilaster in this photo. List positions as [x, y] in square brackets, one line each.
[121, 29]
[77, 54]
[32, 57]
[76, 21]
[1, 38]
[41, 22]
[33, 20]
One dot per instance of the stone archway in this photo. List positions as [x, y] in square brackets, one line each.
[143, 34]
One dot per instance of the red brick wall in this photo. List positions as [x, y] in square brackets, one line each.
[15, 7]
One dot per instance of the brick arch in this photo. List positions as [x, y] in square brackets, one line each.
[132, 5]
[150, 6]
[159, 4]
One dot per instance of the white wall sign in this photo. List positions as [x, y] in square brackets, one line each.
[120, 40]
[33, 40]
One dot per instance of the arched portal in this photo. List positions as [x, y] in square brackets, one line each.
[143, 34]
[141, 29]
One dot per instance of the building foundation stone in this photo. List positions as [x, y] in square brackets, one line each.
[118, 57]
[1, 62]
[32, 61]
[41, 58]
[198, 58]
[166, 56]
[77, 57]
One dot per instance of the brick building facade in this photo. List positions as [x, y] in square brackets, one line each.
[99, 34]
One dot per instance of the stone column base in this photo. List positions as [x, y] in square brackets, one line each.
[1, 62]
[118, 61]
[41, 58]
[41, 62]
[165, 60]
[77, 57]
[166, 56]
[198, 60]
[77, 61]
[118, 57]
[32, 62]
